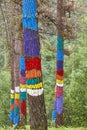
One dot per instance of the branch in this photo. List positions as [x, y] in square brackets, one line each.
[17, 2]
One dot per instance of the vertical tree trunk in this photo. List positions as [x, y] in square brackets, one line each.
[22, 92]
[34, 85]
[17, 45]
[12, 82]
[17, 82]
[58, 103]
[60, 58]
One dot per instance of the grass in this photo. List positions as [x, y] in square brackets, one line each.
[62, 128]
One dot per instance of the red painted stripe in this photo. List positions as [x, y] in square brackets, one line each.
[60, 72]
[33, 63]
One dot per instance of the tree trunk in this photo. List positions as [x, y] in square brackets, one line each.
[12, 82]
[22, 91]
[58, 103]
[18, 50]
[60, 58]
[16, 30]
[17, 83]
[34, 85]
[37, 113]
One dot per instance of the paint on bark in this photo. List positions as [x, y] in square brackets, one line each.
[33, 72]
[57, 113]
[22, 92]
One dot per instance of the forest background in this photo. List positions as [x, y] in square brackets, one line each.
[75, 65]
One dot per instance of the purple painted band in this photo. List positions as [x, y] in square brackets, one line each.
[31, 43]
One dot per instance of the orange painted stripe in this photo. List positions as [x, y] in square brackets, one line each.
[12, 107]
[17, 102]
[33, 73]
[59, 77]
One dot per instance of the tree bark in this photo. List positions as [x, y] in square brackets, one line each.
[37, 113]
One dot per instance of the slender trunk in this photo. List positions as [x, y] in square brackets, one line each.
[17, 83]
[58, 103]
[15, 29]
[22, 90]
[12, 81]
[17, 51]
[60, 58]
[34, 85]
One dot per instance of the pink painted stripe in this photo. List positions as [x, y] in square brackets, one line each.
[22, 80]
[59, 91]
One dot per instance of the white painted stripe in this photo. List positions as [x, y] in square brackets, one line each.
[17, 89]
[35, 92]
[60, 85]
[12, 91]
[23, 89]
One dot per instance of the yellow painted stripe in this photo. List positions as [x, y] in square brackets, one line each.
[36, 86]
[22, 85]
[59, 81]
[12, 96]
[17, 96]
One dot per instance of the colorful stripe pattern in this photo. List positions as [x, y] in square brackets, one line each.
[12, 105]
[31, 49]
[17, 106]
[58, 103]
[22, 89]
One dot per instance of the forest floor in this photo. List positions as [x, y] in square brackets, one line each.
[63, 128]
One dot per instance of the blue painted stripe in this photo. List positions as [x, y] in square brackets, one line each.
[54, 114]
[16, 120]
[30, 23]
[29, 8]
[22, 63]
[11, 115]
[60, 55]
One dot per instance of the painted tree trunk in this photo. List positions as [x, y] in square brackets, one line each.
[34, 83]
[22, 85]
[57, 114]
[17, 83]
[15, 90]
[22, 92]
[15, 29]
[12, 83]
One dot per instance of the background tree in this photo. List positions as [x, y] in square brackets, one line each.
[58, 103]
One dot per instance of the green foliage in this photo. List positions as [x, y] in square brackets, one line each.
[4, 97]
[48, 67]
[75, 94]
[52, 128]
